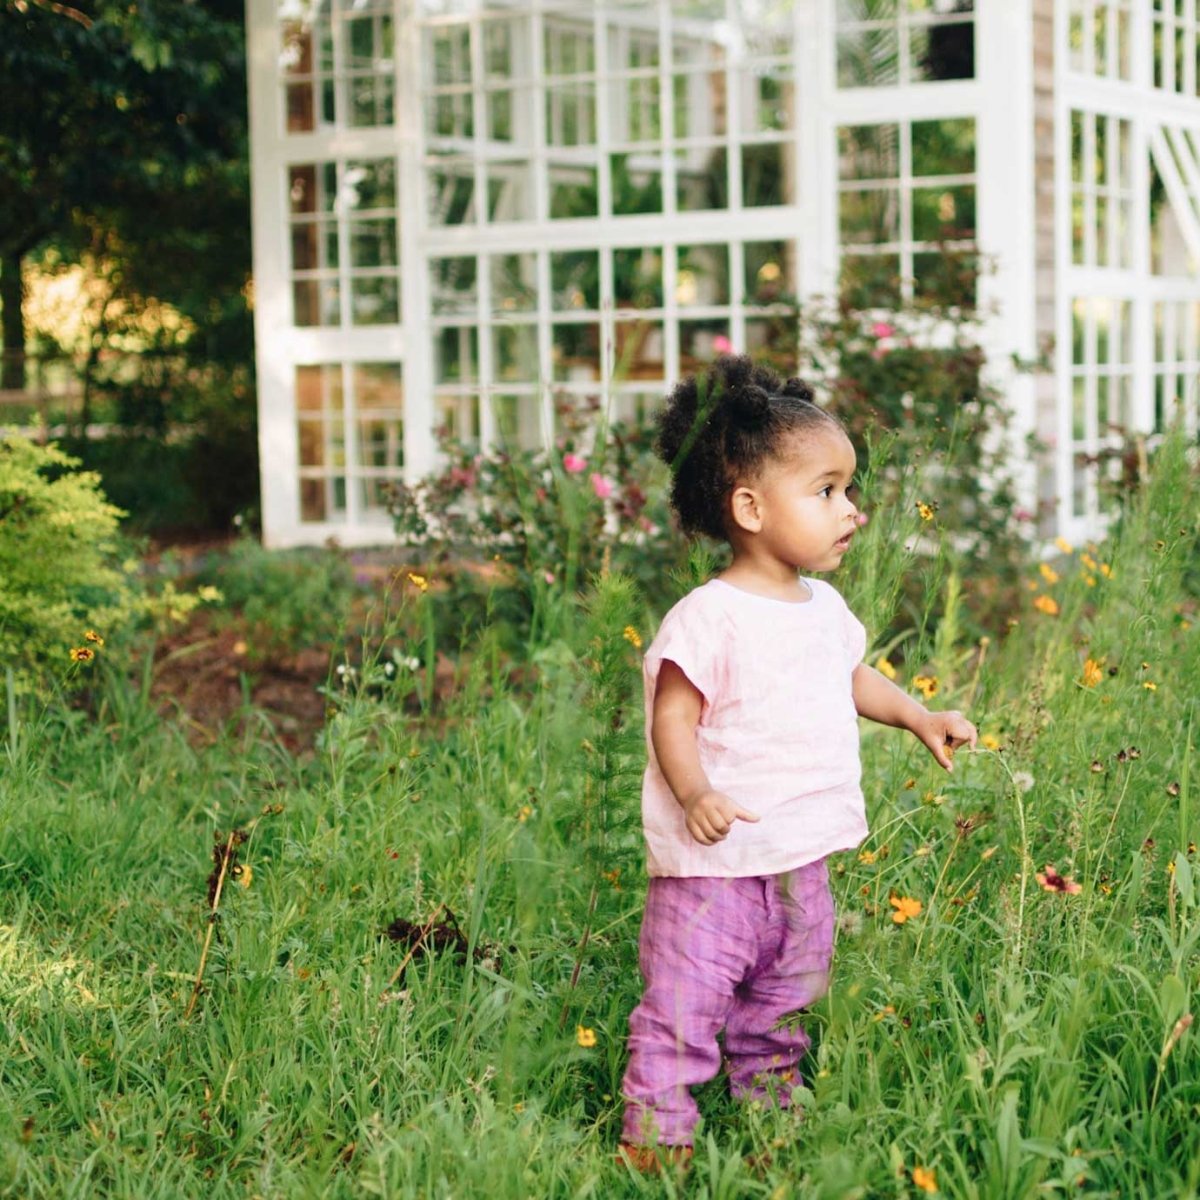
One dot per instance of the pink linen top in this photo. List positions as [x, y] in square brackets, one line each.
[778, 731]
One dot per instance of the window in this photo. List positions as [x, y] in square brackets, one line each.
[893, 42]
[1101, 191]
[344, 243]
[350, 426]
[1176, 363]
[907, 212]
[1176, 47]
[1098, 38]
[339, 66]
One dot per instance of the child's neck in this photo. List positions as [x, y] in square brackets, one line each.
[783, 583]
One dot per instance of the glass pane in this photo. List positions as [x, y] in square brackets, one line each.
[870, 216]
[865, 10]
[302, 188]
[868, 57]
[450, 47]
[312, 500]
[943, 214]
[381, 443]
[636, 184]
[700, 104]
[868, 152]
[450, 115]
[569, 49]
[318, 387]
[301, 110]
[516, 420]
[455, 354]
[637, 278]
[372, 100]
[702, 277]
[871, 280]
[514, 283]
[944, 279]
[770, 274]
[770, 98]
[378, 386]
[311, 436]
[368, 185]
[316, 302]
[574, 191]
[451, 194]
[701, 178]
[575, 279]
[373, 243]
[571, 115]
[514, 353]
[640, 352]
[374, 301]
[764, 175]
[453, 284]
[510, 192]
[575, 354]
[943, 147]
[943, 51]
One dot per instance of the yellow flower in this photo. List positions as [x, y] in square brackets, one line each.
[632, 636]
[1150, 687]
[245, 875]
[867, 856]
[1088, 561]
[1048, 573]
[585, 1037]
[990, 741]
[885, 668]
[1092, 673]
[1064, 545]
[82, 654]
[524, 813]
[927, 685]
[1090, 580]
[210, 594]
[1106, 570]
[905, 907]
[925, 1179]
[926, 511]
[93, 637]
[1046, 604]
[418, 581]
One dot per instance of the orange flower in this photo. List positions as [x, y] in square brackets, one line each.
[905, 907]
[925, 1179]
[1052, 881]
[82, 654]
[1046, 604]
[927, 685]
[93, 637]
[926, 511]
[1092, 673]
[585, 1037]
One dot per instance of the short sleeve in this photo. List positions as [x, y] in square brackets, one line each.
[688, 639]
[855, 635]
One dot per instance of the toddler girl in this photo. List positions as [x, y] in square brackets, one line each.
[753, 687]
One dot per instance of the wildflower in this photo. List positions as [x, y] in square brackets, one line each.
[602, 485]
[1097, 767]
[1052, 881]
[925, 1179]
[548, 576]
[868, 857]
[613, 877]
[1092, 673]
[909, 784]
[1088, 561]
[210, 594]
[240, 647]
[905, 907]
[82, 654]
[861, 519]
[884, 667]
[986, 854]
[881, 329]
[632, 636]
[246, 875]
[1064, 545]
[1048, 573]
[888, 1010]
[418, 581]
[93, 637]
[1106, 570]
[926, 511]
[722, 345]
[1150, 686]
[573, 464]
[927, 685]
[989, 741]
[524, 813]
[585, 1037]
[1173, 789]
[1023, 780]
[1047, 605]
[1090, 580]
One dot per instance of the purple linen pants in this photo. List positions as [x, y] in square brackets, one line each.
[732, 954]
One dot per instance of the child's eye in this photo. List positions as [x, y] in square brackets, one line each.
[826, 491]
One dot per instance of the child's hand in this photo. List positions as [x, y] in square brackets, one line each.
[710, 816]
[943, 733]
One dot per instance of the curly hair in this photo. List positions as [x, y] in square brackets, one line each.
[725, 425]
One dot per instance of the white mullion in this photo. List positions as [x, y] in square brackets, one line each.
[341, 214]
[670, 252]
[602, 132]
[1112, 49]
[1142, 398]
[1170, 359]
[1088, 184]
[1112, 169]
[537, 112]
[666, 75]
[478, 115]
[735, 63]
[1089, 37]
[349, 445]
[545, 346]
[737, 298]
[907, 280]
[484, 310]
[1090, 444]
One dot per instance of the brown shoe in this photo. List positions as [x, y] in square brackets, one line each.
[652, 1160]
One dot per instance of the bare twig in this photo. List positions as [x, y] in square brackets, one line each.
[235, 836]
[425, 929]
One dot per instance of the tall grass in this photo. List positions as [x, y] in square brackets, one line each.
[1013, 1040]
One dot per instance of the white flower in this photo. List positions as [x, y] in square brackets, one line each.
[1023, 780]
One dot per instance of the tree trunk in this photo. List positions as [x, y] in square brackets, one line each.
[12, 295]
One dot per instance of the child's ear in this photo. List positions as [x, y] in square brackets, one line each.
[745, 510]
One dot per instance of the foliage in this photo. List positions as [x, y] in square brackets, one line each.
[59, 574]
[1010, 1039]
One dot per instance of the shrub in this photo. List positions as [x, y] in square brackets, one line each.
[59, 572]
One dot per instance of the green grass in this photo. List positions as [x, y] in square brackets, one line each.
[1016, 1041]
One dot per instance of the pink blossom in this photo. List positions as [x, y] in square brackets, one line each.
[1022, 514]
[574, 464]
[881, 329]
[722, 345]
[861, 519]
[549, 577]
[462, 476]
[602, 485]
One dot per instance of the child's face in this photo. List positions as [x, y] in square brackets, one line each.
[806, 514]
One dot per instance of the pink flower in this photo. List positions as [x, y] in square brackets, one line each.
[1022, 514]
[602, 485]
[722, 345]
[573, 464]
[861, 520]
[462, 476]
[549, 577]
[881, 329]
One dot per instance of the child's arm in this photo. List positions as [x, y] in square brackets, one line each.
[879, 699]
[710, 814]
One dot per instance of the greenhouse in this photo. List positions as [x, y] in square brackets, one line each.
[478, 215]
